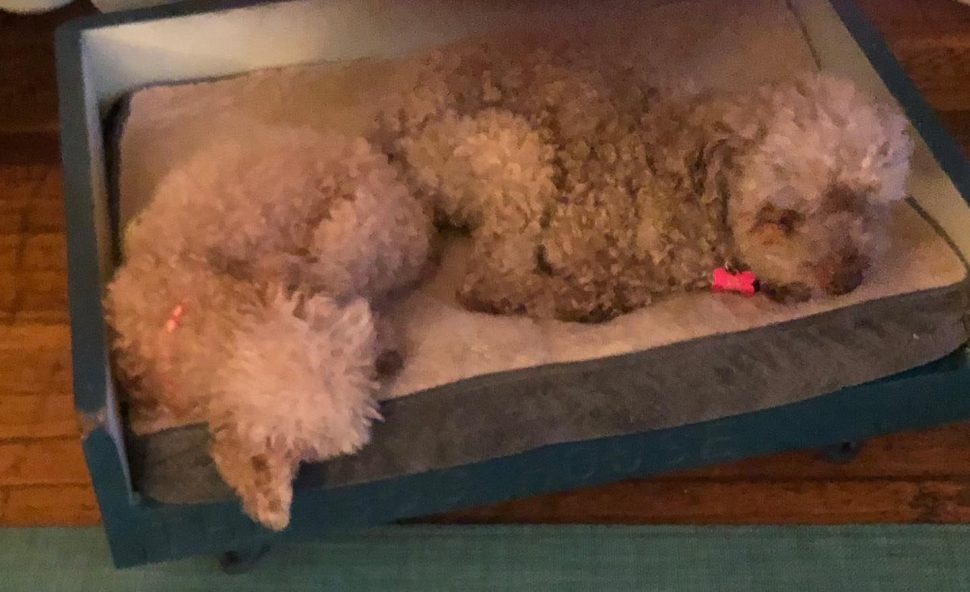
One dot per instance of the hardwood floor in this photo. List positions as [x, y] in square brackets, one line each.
[917, 477]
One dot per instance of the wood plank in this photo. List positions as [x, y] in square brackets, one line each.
[28, 337]
[10, 250]
[957, 123]
[946, 502]
[37, 416]
[944, 15]
[44, 252]
[45, 213]
[898, 19]
[42, 462]
[35, 359]
[931, 39]
[11, 216]
[42, 505]
[895, 16]
[18, 182]
[30, 147]
[28, 89]
[939, 66]
[18, 185]
[41, 296]
[45, 216]
[737, 502]
[8, 293]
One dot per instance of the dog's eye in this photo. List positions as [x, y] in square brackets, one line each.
[787, 220]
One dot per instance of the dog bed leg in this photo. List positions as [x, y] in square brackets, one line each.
[841, 453]
[243, 560]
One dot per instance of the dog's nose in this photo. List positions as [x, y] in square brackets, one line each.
[844, 281]
[843, 273]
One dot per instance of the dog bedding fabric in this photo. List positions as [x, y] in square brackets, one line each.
[477, 386]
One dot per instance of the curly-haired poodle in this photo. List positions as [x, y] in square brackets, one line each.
[589, 191]
[247, 301]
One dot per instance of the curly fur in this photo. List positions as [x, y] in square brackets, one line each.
[588, 192]
[277, 341]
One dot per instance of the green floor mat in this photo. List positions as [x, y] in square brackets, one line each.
[493, 559]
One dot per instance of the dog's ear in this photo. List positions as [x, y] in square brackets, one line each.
[714, 164]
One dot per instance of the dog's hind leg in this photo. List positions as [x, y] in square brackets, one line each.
[505, 275]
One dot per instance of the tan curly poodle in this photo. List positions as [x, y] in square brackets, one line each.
[589, 191]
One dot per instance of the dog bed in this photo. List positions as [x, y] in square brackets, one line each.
[476, 387]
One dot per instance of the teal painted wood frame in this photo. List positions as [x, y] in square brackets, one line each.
[141, 532]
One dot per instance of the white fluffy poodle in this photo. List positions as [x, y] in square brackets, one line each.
[247, 301]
